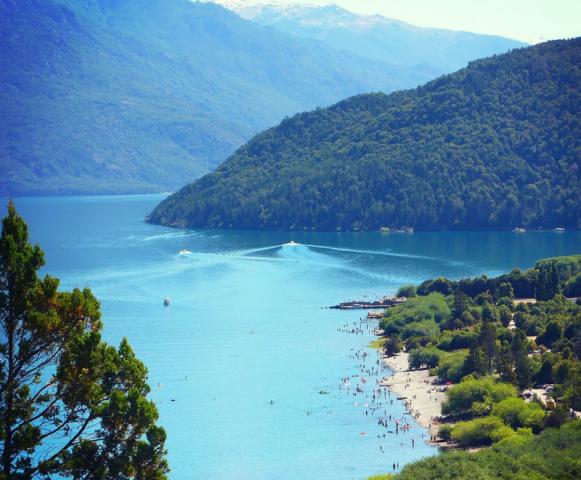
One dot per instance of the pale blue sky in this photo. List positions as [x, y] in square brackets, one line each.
[528, 20]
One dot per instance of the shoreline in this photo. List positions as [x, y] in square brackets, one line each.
[417, 389]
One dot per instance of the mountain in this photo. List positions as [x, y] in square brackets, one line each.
[492, 146]
[375, 36]
[108, 96]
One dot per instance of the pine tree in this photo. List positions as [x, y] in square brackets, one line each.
[487, 342]
[475, 361]
[548, 282]
[61, 385]
[522, 364]
[506, 364]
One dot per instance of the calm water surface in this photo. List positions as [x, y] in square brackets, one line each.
[238, 361]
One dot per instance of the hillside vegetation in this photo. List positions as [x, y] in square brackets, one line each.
[553, 455]
[495, 145]
[475, 335]
[101, 96]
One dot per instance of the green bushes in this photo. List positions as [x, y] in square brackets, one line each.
[456, 340]
[507, 413]
[445, 432]
[552, 455]
[425, 357]
[418, 317]
[425, 328]
[517, 413]
[476, 396]
[451, 366]
[407, 291]
[481, 431]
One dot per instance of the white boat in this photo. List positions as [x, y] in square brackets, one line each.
[559, 230]
[167, 301]
[292, 243]
[185, 252]
[519, 230]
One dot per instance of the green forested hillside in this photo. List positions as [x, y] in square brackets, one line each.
[494, 145]
[146, 95]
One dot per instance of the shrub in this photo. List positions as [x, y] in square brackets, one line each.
[472, 395]
[421, 314]
[424, 328]
[392, 345]
[557, 417]
[481, 431]
[517, 413]
[552, 455]
[445, 432]
[456, 340]
[407, 291]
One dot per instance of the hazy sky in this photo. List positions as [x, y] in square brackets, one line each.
[528, 20]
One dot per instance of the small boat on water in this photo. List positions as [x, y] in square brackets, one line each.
[185, 252]
[519, 230]
[166, 302]
[292, 243]
[559, 230]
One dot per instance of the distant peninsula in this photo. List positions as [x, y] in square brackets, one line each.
[493, 146]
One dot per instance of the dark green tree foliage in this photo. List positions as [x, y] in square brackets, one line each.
[522, 364]
[425, 357]
[70, 405]
[548, 283]
[548, 277]
[494, 145]
[506, 364]
[392, 345]
[487, 342]
[553, 332]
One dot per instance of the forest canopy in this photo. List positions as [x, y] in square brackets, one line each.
[495, 145]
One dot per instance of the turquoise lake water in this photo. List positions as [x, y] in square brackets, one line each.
[239, 360]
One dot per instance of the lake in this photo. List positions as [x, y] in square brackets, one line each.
[245, 365]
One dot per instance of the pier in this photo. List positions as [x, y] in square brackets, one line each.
[385, 302]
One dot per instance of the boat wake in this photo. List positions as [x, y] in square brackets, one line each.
[373, 252]
[292, 243]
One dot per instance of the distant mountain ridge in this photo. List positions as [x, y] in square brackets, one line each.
[493, 146]
[375, 36]
[111, 96]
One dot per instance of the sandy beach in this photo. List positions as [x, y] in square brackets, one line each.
[422, 396]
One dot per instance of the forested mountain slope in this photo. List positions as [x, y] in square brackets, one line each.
[106, 96]
[494, 145]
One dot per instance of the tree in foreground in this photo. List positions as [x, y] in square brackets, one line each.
[70, 405]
